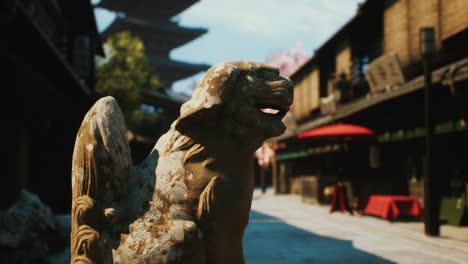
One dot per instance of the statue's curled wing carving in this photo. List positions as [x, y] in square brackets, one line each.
[101, 174]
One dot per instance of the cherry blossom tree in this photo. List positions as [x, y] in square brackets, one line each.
[288, 61]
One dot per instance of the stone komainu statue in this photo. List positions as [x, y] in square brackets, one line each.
[189, 201]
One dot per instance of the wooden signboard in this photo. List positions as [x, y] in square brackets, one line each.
[328, 105]
[384, 72]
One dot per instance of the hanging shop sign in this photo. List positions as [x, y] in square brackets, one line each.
[328, 105]
[385, 72]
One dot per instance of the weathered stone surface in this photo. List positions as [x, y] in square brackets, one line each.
[189, 201]
[28, 231]
[100, 172]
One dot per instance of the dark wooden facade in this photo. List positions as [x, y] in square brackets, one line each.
[48, 55]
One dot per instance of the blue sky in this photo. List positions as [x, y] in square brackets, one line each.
[253, 29]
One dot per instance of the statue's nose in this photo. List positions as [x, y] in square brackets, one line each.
[284, 86]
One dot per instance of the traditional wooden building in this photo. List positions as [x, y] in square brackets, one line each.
[369, 73]
[48, 51]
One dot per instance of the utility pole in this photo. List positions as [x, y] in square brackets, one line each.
[431, 188]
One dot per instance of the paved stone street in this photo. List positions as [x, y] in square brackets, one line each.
[282, 230]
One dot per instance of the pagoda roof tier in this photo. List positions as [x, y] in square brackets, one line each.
[171, 70]
[148, 9]
[156, 34]
[164, 98]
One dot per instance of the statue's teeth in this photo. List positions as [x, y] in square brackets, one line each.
[269, 111]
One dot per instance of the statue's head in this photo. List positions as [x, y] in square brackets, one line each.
[244, 99]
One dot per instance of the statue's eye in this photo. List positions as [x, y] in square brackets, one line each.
[250, 78]
[268, 75]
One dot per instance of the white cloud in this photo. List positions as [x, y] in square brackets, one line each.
[268, 17]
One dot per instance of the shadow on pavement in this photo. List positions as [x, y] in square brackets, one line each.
[269, 240]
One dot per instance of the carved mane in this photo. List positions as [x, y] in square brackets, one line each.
[174, 141]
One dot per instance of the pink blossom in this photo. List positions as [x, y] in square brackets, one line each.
[288, 61]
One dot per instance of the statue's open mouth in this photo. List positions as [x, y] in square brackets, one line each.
[272, 110]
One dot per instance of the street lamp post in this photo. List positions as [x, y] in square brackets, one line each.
[431, 192]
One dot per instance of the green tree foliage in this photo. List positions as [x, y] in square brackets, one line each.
[125, 73]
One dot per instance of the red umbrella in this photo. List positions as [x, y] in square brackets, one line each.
[338, 132]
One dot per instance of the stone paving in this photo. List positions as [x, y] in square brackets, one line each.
[283, 229]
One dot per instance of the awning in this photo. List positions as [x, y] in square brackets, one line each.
[338, 132]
